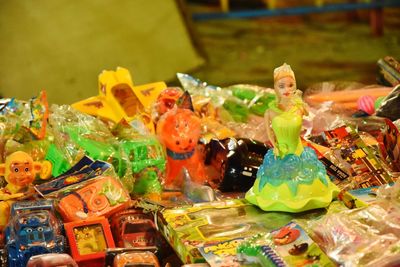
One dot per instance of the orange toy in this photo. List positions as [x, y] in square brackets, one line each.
[346, 98]
[19, 171]
[102, 197]
[179, 130]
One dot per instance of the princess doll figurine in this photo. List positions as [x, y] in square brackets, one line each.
[291, 178]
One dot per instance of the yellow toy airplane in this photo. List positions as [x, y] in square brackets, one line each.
[118, 99]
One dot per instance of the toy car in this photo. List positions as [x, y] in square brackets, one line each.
[133, 228]
[33, 233]
[51, 260]
[136, 259]
[88, 241]
[20, 207]
[238, 161]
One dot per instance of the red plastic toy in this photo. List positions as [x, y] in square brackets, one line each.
[88, 241]
[133, 228]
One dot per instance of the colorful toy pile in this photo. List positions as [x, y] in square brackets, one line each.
[152, 175]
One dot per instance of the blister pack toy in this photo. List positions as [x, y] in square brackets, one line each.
[287, 246]
[33, 232]
[134, 228]
[88, 241]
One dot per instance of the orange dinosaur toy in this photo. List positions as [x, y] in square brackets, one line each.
[179, 130]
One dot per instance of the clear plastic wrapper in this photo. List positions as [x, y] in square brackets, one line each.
[367, 236]
[196, 87]
[77, 134]
[147, 158]
[389, 107]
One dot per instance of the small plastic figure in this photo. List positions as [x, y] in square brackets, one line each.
[179, 130]
[291, 177]
[19, 171]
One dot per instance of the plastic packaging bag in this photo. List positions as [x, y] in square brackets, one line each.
[77, 134]
[367, 236]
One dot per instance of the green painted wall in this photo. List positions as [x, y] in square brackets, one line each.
[62, 45]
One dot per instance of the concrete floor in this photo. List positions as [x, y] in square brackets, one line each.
[323, 47]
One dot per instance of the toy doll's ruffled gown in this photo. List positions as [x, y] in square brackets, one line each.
[295, 180]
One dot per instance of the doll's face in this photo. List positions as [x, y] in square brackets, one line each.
[285, 86]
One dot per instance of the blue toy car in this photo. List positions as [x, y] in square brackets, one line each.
[32, 233]
[27, 206]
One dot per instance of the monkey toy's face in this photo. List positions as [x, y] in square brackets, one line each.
[19, 169]
[21, 173]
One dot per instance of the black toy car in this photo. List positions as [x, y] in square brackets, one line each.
[238, 161]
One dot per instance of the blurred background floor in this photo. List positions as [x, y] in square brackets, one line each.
[319, 47]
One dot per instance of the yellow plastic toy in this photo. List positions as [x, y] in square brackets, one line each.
[19, 171]
[120, 100]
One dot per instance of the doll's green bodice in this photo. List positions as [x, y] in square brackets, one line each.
[286, 126]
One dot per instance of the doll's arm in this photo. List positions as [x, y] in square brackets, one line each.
[269, 114]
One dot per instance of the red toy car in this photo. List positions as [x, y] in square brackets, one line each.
[133, 228]
[88, 241]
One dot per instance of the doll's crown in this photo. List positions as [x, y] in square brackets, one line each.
[283, 71]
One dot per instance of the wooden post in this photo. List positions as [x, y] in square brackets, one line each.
[352, 16]
[376, 20]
